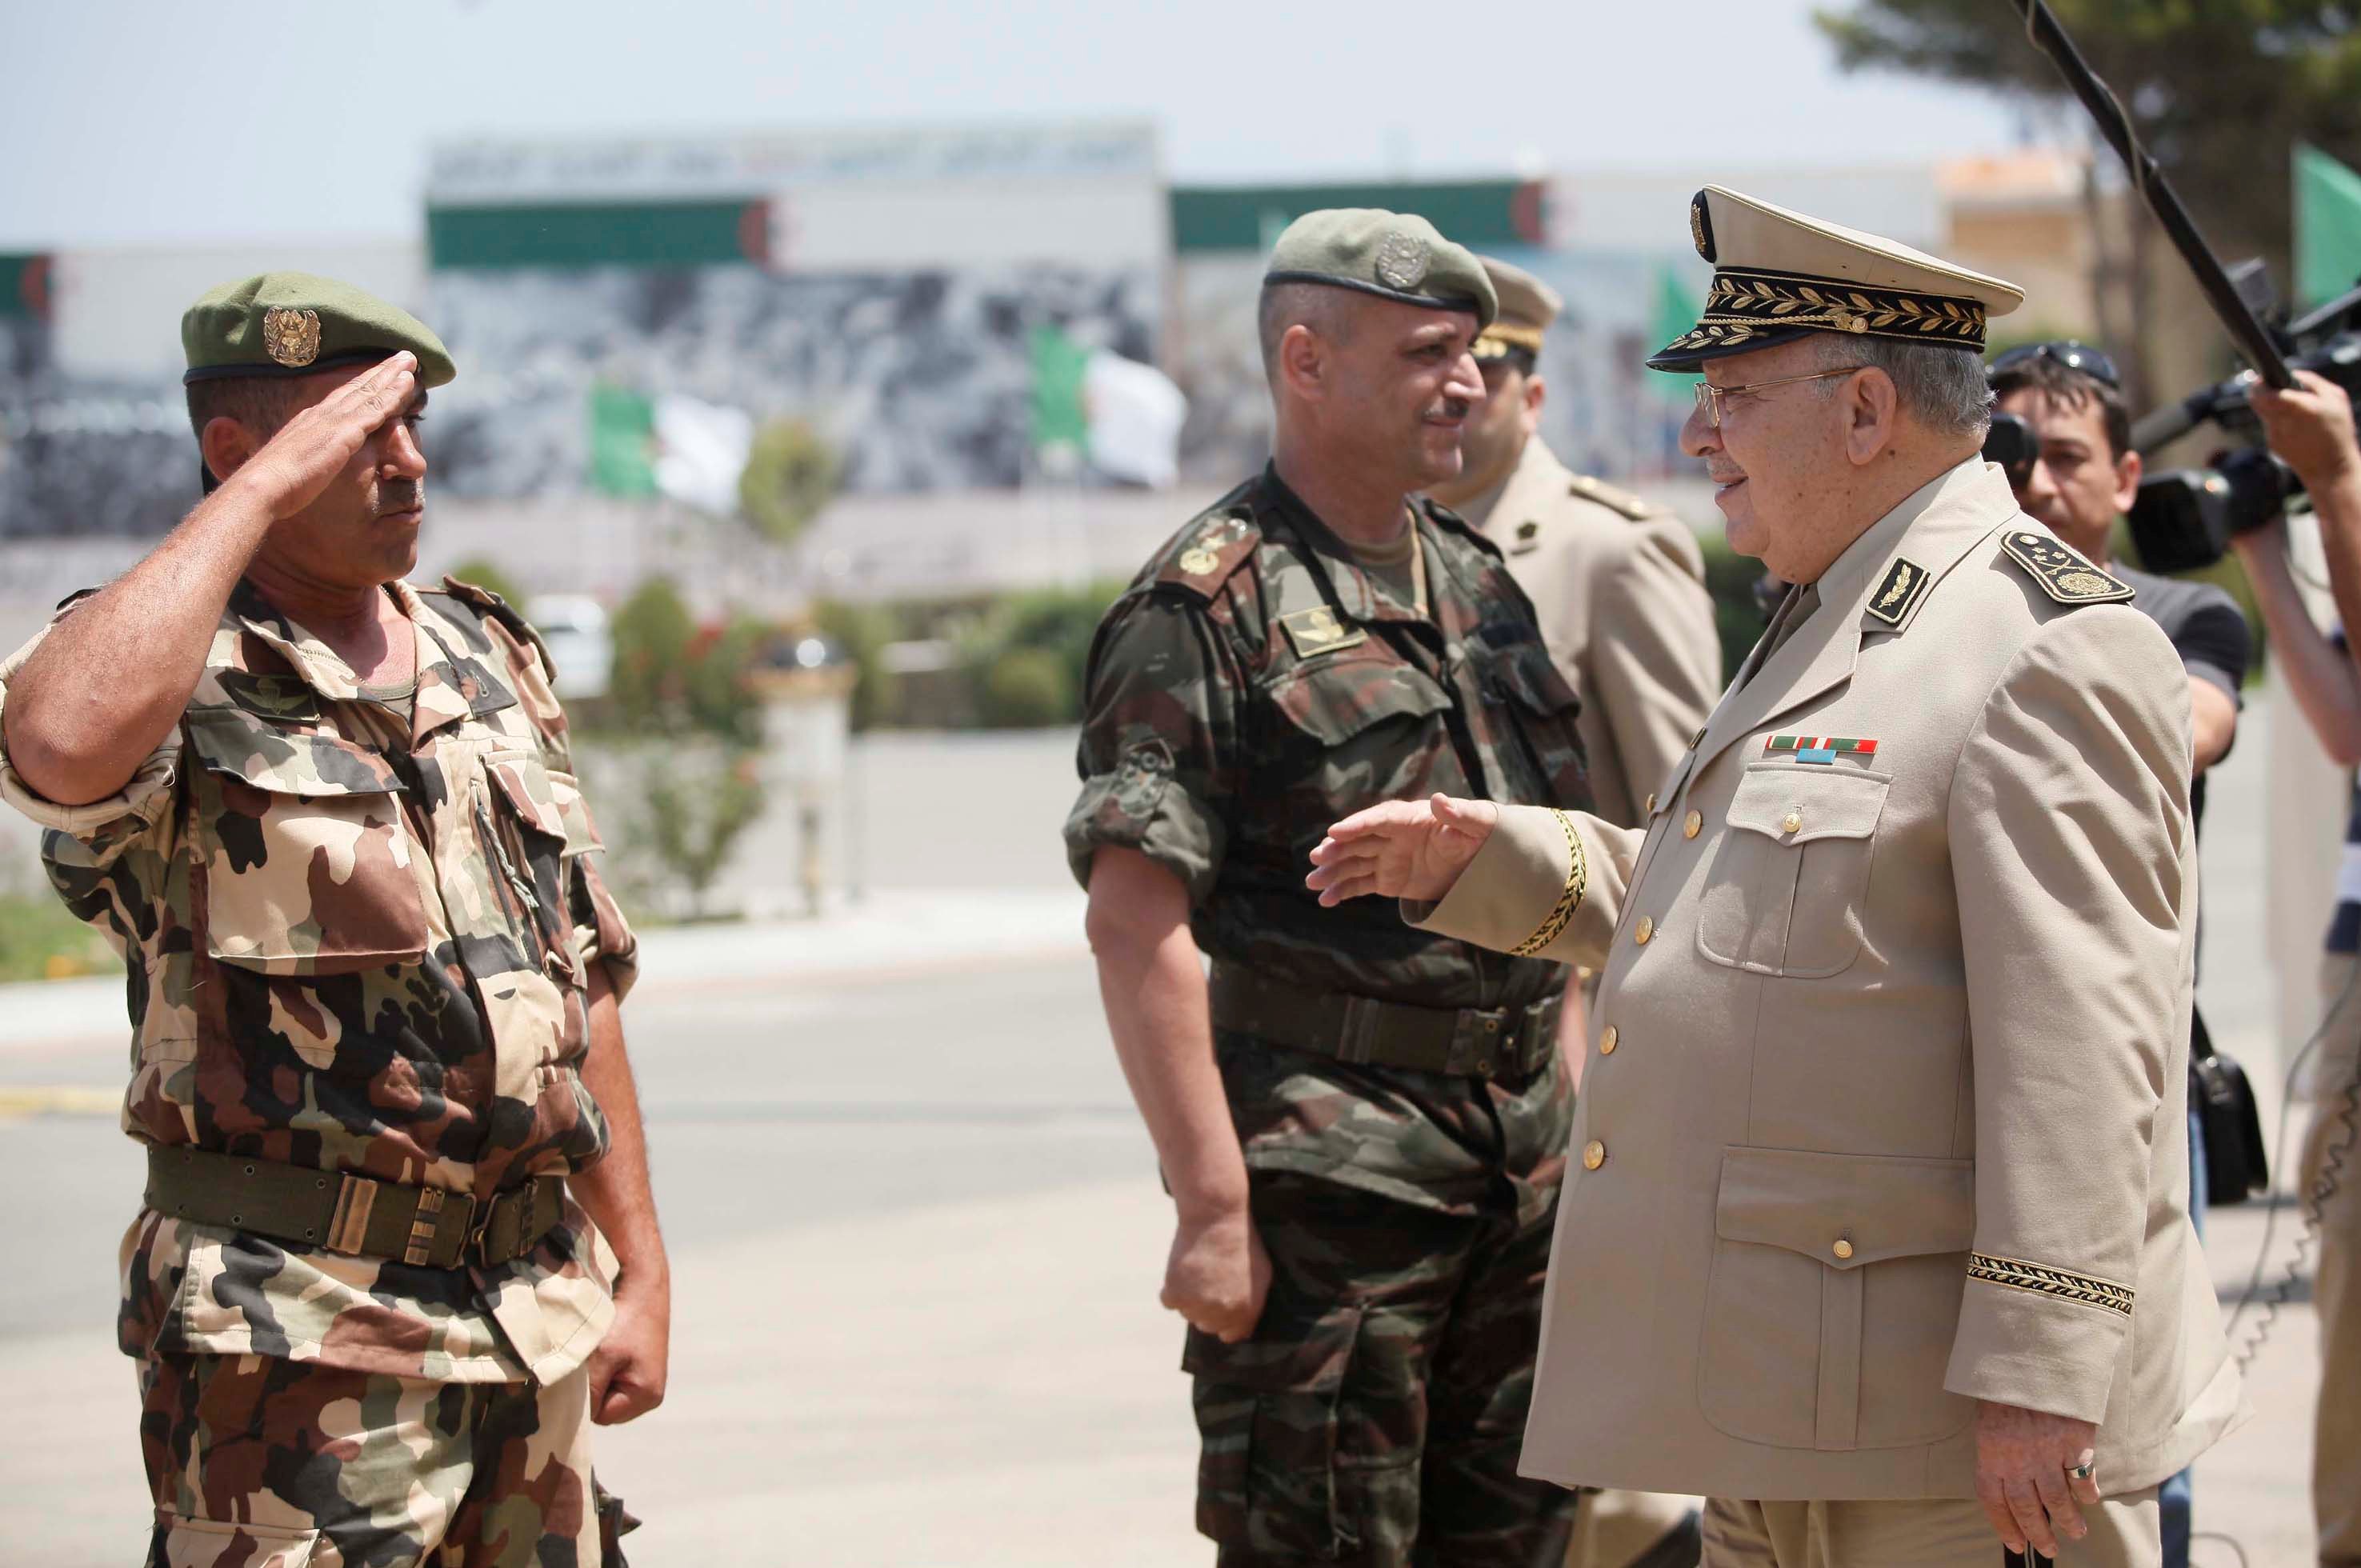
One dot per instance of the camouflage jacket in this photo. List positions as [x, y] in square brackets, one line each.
[356, 945]
[1252, 686]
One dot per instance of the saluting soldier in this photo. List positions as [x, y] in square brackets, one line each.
[1880, 1233]
[1620, 588]
[1363, 1127]
[398, 1248]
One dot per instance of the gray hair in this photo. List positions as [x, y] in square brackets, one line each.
[1322, 309]
[1941, 387]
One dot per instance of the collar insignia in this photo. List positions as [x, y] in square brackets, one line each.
[1905, 581]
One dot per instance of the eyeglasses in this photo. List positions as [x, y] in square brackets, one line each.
[1708, 396]
[2091, 362]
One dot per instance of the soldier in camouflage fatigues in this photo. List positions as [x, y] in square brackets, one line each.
[364, 933]
[1399, 1102]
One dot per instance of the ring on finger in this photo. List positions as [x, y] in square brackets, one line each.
[2080, 1472]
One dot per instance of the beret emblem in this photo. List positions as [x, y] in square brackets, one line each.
[1402, 261]
[290, 337]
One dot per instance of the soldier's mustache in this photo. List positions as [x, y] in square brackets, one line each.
[403, 496]
[1449, 408]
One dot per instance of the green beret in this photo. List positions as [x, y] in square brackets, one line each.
[292, 323]
[1394, 255]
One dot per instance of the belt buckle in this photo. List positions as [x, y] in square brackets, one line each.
[426, 1223]
[1490, 1036]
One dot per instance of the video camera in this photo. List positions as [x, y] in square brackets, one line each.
[2185, 518]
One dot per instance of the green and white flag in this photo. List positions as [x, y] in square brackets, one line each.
[2327, 227]
[690, 451]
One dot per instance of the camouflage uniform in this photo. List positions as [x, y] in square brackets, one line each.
[1250, 689]
[361, 946]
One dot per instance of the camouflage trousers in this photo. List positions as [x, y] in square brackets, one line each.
[1375, 1416]
[257, 1461]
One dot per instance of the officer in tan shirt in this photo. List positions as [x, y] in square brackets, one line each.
[1880, 1202]
[1620, 587]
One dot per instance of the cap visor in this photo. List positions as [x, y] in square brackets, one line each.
[1683, 361]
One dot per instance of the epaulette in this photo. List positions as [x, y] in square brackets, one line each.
[491, 604]
[1612, 498]
[1204, 554]
[2063, 575]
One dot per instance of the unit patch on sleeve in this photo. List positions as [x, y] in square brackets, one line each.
[2063, 575]
[1905, 581]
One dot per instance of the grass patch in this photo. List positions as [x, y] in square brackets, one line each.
[39, 940]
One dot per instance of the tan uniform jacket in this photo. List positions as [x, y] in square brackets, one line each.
[1620, 592]
[1883, 1109]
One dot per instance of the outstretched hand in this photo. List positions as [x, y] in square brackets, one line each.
[1400, 848]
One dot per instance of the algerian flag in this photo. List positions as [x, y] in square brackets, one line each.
[2327, 227]
[1122, 415]
[1676, 312]
[1059, 366]
[701, 451]
[622, 442]
[1135, 414]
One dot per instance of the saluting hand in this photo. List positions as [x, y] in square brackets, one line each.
[2021, 1474]
[313, 447]
[1400, 848]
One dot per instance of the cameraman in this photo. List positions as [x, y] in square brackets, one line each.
[2310, 429]
[2085, 476]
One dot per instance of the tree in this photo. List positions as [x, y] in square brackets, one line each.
[2218, 90]
[790, 475]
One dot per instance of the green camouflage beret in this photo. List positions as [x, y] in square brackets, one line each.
[292, 323]
[1394, 255]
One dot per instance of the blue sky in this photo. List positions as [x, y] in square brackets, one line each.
[137, 122]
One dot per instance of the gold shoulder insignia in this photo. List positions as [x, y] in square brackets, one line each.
[1607, 496]
[1905, 582]
[1210, 549]
[2063, 575]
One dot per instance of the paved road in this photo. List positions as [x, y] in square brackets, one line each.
[916, 1229]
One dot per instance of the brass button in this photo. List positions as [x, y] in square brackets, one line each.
[1649, 809]
[1794, 822]
[1593, 1154]
[1483, 1065]
[1607, 1039]
[1843, 1247]
[1690, 827]
[1647, 929]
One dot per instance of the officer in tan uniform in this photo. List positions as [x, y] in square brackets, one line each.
[1880, 1188]
[1620, 587]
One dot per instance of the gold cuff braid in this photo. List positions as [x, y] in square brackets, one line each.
[1577, 883]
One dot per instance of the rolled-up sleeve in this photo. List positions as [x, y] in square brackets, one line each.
[1159, 742]
[96, 831]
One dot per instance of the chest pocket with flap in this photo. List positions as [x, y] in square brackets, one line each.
[1784, 895]
[306, 853]
[1360, 725]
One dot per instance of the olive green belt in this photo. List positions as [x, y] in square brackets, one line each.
[1481, 1042]
[358, 1215]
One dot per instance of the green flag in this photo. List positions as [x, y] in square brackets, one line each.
[2327, 227]
[622, 442]
[1676, 313]
[1059, 363]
